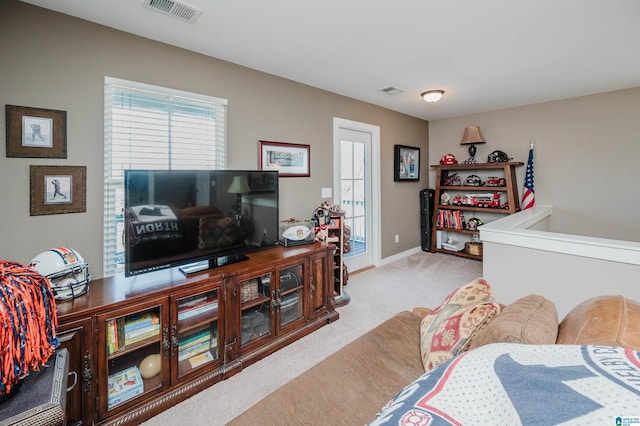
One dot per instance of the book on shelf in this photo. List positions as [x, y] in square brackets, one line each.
[200, 359]
[188, 312]
[139, 336]
[117, 338]
[194, 339]
[111, 338]
[453, 219]
[140, 331]
[136, 321]
[120, 333]
[194, 350]
[194, 301]
[123, 386]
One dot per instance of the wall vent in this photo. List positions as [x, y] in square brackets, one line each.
[177, 9]
[391, 90]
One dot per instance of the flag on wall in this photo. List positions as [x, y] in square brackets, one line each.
[528, 196]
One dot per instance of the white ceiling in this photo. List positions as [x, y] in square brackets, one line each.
[486, 55]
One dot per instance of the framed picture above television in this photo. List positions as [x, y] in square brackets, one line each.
[288, 159]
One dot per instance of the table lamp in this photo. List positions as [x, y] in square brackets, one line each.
[471, 137]
[239, 185]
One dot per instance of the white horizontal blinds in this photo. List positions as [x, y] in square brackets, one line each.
[153, 130]
[149, 127]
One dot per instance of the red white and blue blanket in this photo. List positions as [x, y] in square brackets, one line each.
[513, 384]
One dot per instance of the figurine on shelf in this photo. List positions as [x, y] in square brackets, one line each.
[320, 220]
[322, 217]
[453, 180]
[498, 156]
[445, 198]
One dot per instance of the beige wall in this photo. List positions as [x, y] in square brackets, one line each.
[586, 157]
[50, 60]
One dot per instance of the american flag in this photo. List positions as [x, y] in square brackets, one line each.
[528, 196]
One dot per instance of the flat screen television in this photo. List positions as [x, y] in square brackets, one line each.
[197, 219]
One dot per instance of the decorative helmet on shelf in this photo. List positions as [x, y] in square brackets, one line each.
[474, 223]
[473, 180]
[498, 157]
[66, 270]
[448, 159]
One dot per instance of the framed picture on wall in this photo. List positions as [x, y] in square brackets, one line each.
[36, 132]
[406, 163]
[288, 159]
[58, 189]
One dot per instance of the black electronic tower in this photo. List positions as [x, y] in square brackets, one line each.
[426, 217]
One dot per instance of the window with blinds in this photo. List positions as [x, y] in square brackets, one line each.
[151, 127]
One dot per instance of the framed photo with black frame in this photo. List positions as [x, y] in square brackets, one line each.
[406, 163]
[58, 189]
[36, 132]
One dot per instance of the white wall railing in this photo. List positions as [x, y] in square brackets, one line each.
[521, 256]
[530, 228]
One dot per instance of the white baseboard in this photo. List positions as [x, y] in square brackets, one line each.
[400, 255]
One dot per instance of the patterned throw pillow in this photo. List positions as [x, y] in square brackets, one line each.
[447, 330]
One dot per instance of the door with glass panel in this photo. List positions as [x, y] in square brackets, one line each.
[356, 189]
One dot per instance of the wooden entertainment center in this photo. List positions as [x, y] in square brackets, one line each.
[142, 344]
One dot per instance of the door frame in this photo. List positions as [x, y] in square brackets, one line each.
[374, 204]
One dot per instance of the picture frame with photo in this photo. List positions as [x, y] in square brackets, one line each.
[289, 159]
[36, 132]
[57, 189]
[406, 163]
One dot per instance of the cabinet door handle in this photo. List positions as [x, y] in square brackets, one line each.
[174, 339]
[75, 380]
[230, 351]
[275, 301]
[87, 373]
[165, 341]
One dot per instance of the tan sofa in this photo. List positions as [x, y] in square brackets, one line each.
[351, 386]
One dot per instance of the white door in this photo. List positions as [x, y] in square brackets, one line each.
[356, 188]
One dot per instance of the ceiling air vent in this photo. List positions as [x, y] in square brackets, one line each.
[391, 90]
[177, 9]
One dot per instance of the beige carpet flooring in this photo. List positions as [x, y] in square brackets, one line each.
[421, 279]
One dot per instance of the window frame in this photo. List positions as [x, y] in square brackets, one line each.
[113, 221]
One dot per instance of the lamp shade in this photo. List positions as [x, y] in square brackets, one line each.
[472, 135]
[239, 185]
[432, 95]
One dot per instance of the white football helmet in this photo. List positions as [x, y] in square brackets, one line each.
[66, 270]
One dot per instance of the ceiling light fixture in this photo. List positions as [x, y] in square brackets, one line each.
[432, 95]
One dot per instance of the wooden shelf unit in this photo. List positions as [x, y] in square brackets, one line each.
[509, 191]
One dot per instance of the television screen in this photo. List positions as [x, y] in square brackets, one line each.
[180, 217]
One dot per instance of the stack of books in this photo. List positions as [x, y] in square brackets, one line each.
[196, 343]
[453, 219]
[124, 331]
[196, 306]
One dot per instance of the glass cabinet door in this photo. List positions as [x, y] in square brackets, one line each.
[289, 294]
[195, 334]
[255, 307]
[133, 344]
